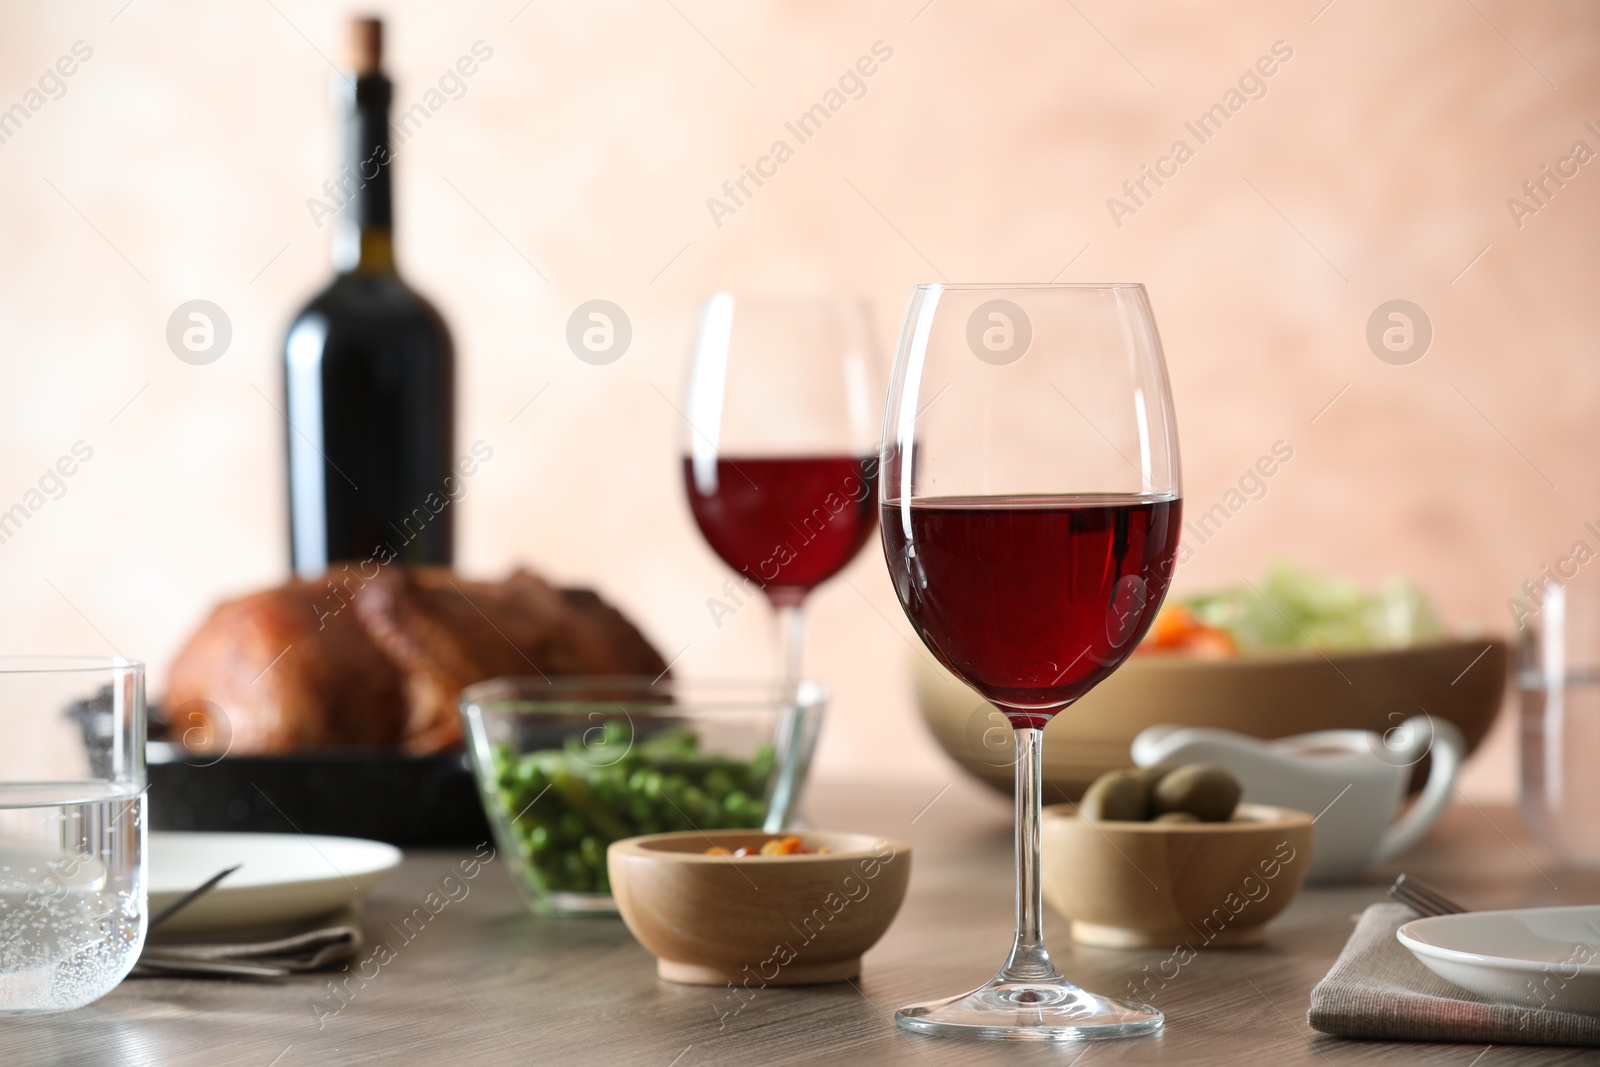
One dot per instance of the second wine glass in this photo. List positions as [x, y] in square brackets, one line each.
[780, 455]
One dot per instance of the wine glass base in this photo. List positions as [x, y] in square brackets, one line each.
[1040, 1011]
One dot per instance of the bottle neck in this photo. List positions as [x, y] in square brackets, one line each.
[363, 240]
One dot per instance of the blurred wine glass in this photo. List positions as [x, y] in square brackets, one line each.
[780, 455]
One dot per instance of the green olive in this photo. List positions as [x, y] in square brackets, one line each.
[1115, 796]
[1176, 816]
[1151, 776]
[1207, 792]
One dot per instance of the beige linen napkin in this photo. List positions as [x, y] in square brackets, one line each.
[331, 940]
[1378, 989]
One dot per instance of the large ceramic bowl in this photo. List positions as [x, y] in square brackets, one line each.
[1262, 695]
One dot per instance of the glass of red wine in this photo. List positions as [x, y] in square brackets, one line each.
[1030, 507]
[780, 458]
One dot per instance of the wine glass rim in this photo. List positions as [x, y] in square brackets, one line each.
[978, 286]
[820, 299]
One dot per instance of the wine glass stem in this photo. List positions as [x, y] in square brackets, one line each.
[792, 638]
[1029, 960]
[792, 744]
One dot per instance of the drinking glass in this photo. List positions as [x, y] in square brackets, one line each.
[1558, 679]
[780, 456]
[72, 829]
[1030, 508]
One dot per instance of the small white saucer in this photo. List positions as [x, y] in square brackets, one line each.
[285, 878]
[1537, 957]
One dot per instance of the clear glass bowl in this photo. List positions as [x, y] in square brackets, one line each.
[566, 766]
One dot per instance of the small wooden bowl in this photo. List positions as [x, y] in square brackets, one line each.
[1161, 885]
[762, 920]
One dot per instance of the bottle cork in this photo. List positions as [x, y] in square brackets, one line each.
[366, 45]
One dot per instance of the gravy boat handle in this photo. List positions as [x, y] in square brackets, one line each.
[1419, 736]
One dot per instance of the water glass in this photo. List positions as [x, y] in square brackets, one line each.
[1558, 680]
[72, 829]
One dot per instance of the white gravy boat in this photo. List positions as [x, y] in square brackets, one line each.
[1353, 781]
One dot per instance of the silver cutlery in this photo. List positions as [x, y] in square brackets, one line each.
[1424, 898]
[152, 959]
[190, 897]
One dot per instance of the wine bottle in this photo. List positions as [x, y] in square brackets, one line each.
[369, 371]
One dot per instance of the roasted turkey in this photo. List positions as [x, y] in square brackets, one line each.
[380, 662]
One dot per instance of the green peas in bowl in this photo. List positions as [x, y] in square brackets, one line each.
[566, 767]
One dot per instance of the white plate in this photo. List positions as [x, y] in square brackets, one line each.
[1536, 957]
[284, 878]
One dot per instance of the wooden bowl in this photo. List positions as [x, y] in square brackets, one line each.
[1265, 695]
[1163, 885]
[762, 920]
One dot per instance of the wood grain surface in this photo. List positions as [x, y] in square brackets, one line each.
[484, 982]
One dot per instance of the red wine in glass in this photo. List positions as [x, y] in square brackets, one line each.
[1032, 600]
[780, 464]
[788, 523]
[1031, 491]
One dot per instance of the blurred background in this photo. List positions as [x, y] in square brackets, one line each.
[1378, 161]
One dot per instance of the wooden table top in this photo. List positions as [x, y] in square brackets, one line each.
[487, 983]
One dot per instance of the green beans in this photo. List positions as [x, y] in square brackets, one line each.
[566, 805]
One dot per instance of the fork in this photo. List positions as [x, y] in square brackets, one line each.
[151, 961]
[1423, 897]
[190, 897]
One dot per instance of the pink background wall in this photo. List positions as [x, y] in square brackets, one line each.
[178, 161]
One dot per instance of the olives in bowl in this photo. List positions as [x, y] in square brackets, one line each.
[1165, 855]
[1194, 792]
[1173, 880]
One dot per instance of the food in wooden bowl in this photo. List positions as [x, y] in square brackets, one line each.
[1192, 792]
[761, 920]
[1183, 886]
[1290, 654]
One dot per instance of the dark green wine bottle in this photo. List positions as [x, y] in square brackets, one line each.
[369, 372]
